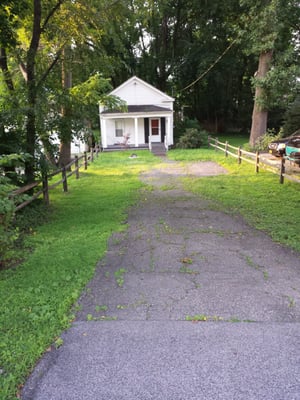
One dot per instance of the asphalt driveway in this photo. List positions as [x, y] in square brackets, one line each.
[189, 302]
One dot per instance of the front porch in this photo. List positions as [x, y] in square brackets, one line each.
[120, 147]
[158, 149]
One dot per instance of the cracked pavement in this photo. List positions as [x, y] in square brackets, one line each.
[189, 302]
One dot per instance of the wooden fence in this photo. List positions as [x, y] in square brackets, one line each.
[257, 159]
[43, 186]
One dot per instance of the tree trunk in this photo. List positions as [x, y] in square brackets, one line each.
[64, 153]
[32, 91]
[5, 70]
[65, 142]
[260, 112]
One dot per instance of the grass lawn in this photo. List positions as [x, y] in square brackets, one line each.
[259, 198]
[37, 296]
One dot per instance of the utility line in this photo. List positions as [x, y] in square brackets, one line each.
[210, 67]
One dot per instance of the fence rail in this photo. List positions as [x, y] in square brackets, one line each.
[43, 184]
[257, 159]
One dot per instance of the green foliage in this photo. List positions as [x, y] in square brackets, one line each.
[90, 91]
[292, 118]
[263, 141]
[192, 139]
[88, 94]
[261, 20]
[12, 165]
[119, 276]
[8, 234]
[7, 206]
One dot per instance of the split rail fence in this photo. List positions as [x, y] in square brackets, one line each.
[43, 187]
[257, 159]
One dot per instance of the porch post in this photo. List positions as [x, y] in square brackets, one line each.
[136, 133]
[103, 133]
[168, 130]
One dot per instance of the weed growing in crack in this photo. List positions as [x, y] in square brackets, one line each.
[90, 317]
[202, 317]
[167, 187]
[292, 302]
[266, 275]
[101, 308]
[238, 320]
[252, 264]
[121, 307]
[184, 269]
[119, 276]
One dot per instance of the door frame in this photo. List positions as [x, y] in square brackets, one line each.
[155, 138]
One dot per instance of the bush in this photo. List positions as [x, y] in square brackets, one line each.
[8, 234]
[181, 125]
[192, 139]
[9, 177]
[263, 141]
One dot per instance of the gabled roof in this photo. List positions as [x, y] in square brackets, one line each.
[137, 81]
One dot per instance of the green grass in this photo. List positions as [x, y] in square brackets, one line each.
[36, 297]
[259, 198]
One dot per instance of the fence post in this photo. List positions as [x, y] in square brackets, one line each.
[64, 178]
[76, 167]
[239, 155]
[85, 160]
[45, 189]
[216, 143]
[257, 162]
[282, 170]
[226, 149]
[208, 141]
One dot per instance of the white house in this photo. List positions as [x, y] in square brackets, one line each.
[148, 119]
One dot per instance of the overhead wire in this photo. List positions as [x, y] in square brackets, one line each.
[210, 67]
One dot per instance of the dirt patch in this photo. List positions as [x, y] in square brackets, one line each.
[168, 172]
[201, 168]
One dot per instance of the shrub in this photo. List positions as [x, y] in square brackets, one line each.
[263, 141]
[192, 139]
[8, 234]
[9, 177]
[181, 125]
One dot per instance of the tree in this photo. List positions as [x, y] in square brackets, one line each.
[27, 57]
[213, 78]
[268, 32]
[43, 39]
[292, 118]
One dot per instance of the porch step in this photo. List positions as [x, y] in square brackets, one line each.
[158, 149]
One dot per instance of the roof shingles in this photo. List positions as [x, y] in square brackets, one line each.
[139, 108]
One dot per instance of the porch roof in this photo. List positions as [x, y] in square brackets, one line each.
[133, 109]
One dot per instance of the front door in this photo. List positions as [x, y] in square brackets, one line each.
[155, 130]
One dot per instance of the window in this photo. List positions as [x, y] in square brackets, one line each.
[155, 127]
[119, 130]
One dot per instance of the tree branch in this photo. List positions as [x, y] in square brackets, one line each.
[51, 66]
[51, 13]
[23, 70]
[3, 65]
